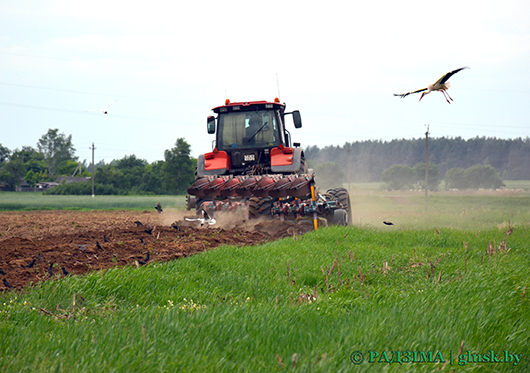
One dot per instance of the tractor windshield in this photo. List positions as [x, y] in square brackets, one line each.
[248, 129]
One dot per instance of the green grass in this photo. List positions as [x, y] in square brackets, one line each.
[468, 210]
[16, 201]
[251, 308]
[518, 184]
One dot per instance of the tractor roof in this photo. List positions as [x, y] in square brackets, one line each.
[248, 105]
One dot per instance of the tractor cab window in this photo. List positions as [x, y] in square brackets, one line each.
[248, 129]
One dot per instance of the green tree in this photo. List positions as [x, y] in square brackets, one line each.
[178, 171]
[25, 154]
[329, 175]
[152, 179]
[12, 173]
[68, 168]
[455, 179]
[433, 177]
[483, 177]
[57, 149]
[475, 177]
[398, 177]
[4, 154]
[130, 162]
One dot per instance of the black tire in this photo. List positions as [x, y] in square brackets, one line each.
[258, 207]
[190, 202]
[342, 196]
[303, 167]
[340, 217]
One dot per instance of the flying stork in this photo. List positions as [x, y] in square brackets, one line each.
[441, 85]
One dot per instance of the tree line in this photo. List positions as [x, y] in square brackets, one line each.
[365, 161]
[398, 177]
[450, 159]
[54, 156]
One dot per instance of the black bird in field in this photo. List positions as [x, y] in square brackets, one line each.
[50, 270]
[159, 208]
[2, 272]
[7, 284]
[144, 260]
[105, 238]
[149, 230]
[138, 223]
[39, 257]
[174, 225]
[388, 223]
[30, 264]
[65, 272]
[142, 241]
[98, 245]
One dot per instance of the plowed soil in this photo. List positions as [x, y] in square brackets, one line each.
[69, 239]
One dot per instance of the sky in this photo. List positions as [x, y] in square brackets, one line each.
[168, 63]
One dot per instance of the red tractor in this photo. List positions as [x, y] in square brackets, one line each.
[255, 166]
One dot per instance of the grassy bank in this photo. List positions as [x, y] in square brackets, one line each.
[307, 303]
[16, 201]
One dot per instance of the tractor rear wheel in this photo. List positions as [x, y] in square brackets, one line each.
[342, 196]
[258, 207]
[340, 217]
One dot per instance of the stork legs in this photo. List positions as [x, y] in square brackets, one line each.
[446, 96]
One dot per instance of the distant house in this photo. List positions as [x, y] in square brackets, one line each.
[24, 186]
[45, 185]
[71, 179]
[3, 186]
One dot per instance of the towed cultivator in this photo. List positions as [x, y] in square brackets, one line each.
[253, 166]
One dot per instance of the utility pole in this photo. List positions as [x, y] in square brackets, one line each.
[426, 166]
[93, 148]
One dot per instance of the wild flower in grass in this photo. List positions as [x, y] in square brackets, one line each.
[191, 306]
[168, 305]
[306, 298]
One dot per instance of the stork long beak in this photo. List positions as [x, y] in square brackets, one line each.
[423, 94]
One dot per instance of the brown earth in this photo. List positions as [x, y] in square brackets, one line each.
[69, 239]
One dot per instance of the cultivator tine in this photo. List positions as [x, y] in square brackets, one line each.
[315, 220]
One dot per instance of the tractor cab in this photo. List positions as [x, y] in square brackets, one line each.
[246, 133]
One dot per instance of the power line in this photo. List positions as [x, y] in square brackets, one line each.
[99, 94]
[86, 112]
[72, 59]
[390, 120]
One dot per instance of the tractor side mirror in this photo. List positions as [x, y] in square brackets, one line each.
[210, 124]
[297, 119]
